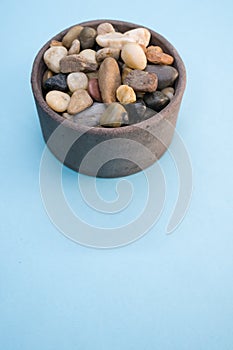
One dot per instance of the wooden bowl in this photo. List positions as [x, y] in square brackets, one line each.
[122, 151]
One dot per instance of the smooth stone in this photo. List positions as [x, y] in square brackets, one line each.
[169, 92]
[89, 55]
[75, 47]
[71, 35]
[166, 74]
[87, 37]
[133, 56]
[109, 79]
[105, 28]
[79, 101]
[142, 81]
[53, 56]
[56, 82]
[90, 116]
[135, 111]
[94, 90]
[57, 100]
[77, 63]
[55, 43]
[156, 100]
[118, 40]
[114, 116]
[77, 81]
[47, 74]
[107, 52]
[156, 55]
[125, 94]
[125, 71]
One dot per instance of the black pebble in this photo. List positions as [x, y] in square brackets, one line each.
[57, 82]
[156, 100]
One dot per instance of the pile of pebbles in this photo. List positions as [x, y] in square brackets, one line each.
[101, 77]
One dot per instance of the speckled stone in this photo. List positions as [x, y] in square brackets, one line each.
[166, 74]
[71, 35]
[77, 63]
[142, 81]
[156, 55]
[107, 52]
[156, 100]
[94, 90]
[79, 101]
[57, 100]
[109, 79]
[87, 37]
[114, 116]
[53, 56]
[56, 82]
[77, 81]
[125, 94]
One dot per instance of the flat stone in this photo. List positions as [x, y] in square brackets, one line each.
[109, 79]
[142, 81]
[90, 116]
[107, 52]
[75, 47]
[57, 100]
[156, 100]
[105, 28]
[134, 56]
[125, 94]
[166, 74]
[87, 37]
[53, 56]
[77, 63]
[79, 101]
[56, 82]
[94, 90]
[77, 81]
[169, 92]
[71, 35]
[114, 116]
[118, 40]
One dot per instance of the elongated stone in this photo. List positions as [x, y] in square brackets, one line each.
[87, 37]
[79, 101]
[133, 56]
[109, 79]
[56, 82]
[156, 100]
[166, 74]
[142, 81]
[114, 116]
[75, 47]
[57, 100]
[77, 63]
[90, 116]
[53, 56]
[71, 35]
[94, 90]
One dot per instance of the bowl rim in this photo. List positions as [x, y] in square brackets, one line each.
[157, 118]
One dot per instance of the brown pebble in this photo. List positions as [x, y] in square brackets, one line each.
[87, 37]
[107, 52]
[142, 81]
[77, 63]
[156, 55]
[71, 35]
[75, 47]
[94, 90]
[55, 43]
[109, 79]
[79, 101]
[47, 74]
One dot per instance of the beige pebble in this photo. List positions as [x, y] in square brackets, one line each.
[71, 35]
[89, 55]
[78, 63]
[75, 47]
[105, 28]
[53, 56]
[55, 43]
[79, 101]
[133, 56]
[125, 71]
[109, 79]
[125, 94]
[156, 55]
[47, 74]
[57, 100]
[107, 52]
[77, 81]
[118, 40]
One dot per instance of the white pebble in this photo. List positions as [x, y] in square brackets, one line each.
[57, 100]
[53, 56]
[77, 81]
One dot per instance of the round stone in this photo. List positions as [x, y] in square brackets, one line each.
[71, 35]
[94, 90]
[87, 37]
[156, 100]
[109, 79]
[56, 82]
[114, 116]
[53, 56]
[105, 28]
[166, 74]
[125, 94]
[79, 101]
[57, 100]
[77, 81]
[133, 56]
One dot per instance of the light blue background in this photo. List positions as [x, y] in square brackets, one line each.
[162, 292]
